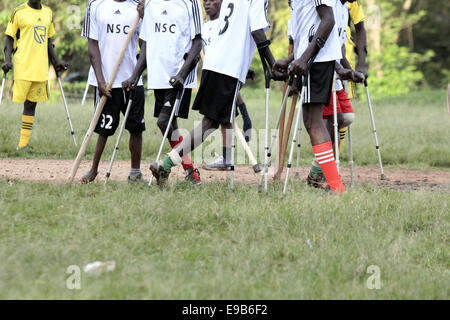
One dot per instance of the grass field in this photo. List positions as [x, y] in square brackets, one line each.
[205, 243]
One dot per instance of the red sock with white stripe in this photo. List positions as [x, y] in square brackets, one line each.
[325, 157]
[186, 161]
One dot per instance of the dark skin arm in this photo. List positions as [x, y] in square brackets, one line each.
[140, 67]
[57, 64]
[260, 37]
[345, 71]
[326, 25]
[190, 62]
[361, 46]
[96, 62]
[9, 44]
[299, 66]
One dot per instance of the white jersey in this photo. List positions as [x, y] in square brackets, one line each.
[168, 29]
[108, 22]
[210, 30]
[233, 47]
[341, 16]
[290, 32]
[305, 22]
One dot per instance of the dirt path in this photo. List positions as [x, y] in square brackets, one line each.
[57, 171]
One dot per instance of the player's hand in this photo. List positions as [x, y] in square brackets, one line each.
[177, 82]
[345, 74]
[128, 84]
[358, 77]
[6, 67]
[363, 70]
[251, 74]
[297, 67]
[279, 76]
[141, 8]
[103, 90]
[281, 66]
[61, 66]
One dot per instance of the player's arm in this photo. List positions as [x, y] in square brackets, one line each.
[96, 63]
[345, 71]
[57, 64]
[9, 44]
[361, 48]
[263, 46]
[323, 32]
[191, 60]
[140, 67]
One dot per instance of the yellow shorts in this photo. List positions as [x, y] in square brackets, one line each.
[32, 91]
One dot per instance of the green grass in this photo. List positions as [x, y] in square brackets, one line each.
[413, 130]
[206, 243]
[177, 245]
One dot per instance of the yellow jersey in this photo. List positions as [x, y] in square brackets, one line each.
[31, 28]
[356, 14]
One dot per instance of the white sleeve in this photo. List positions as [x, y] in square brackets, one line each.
[258, 15]
[145, 25]
[329, 3]
[195, 17]
[90, 29]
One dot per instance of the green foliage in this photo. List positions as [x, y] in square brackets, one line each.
[402, 68]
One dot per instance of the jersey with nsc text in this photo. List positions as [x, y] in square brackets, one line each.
[169, 27]
[109, 22]
[232, 48]
[209, 31]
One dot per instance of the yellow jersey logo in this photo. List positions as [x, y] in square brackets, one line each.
[40, 33]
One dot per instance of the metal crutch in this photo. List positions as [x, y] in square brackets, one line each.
[233, 144]
[179, 97]
[350, 152]
[67, 108]
[274, 136]
[3, 87]
[299, 144]
[291, 153]
[372, 119]
[85, 93]
[335, 125]
[122, 127]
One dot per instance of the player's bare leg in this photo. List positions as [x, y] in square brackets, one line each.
[196, 137]
[175, 139]
[92, 173]
[135, 146]
[322, 146]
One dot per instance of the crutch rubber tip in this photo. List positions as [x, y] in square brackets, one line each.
[256, 168]
[383, 177]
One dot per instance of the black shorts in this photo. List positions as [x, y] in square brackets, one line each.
[319, 83]
[215, 96]
[110, 117]
[162, 96]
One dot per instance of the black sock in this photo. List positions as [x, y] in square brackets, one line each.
[247, 121]
[226, 152]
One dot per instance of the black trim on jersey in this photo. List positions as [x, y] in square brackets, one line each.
[196, 16]
[318, 2]
[23, 6]
[87, 21]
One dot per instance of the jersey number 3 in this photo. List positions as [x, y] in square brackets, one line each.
[227, 17]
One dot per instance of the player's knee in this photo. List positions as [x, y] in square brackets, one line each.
[162, 122]
[348, 119]
[340, 120]
[211, 124]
